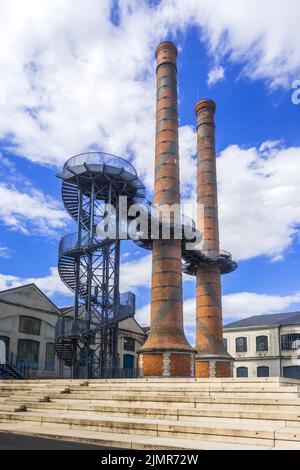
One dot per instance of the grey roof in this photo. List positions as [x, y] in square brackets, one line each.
[277, 319]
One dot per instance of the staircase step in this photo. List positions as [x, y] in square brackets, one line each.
[169, 413]
[121, 441]
[236, 431]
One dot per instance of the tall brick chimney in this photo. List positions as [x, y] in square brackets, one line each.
[212, 360]
[166, 352]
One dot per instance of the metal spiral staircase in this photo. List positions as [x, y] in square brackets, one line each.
[89, 265]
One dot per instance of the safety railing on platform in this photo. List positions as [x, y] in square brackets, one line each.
[100, 158]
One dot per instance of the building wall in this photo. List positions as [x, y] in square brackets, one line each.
[15, 304]
[130, 329]
[275, 359]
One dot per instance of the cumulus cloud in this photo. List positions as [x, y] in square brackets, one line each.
[25, 208]
[259, 201]
[247, 304]
[50, 284]
[235, 306]
[72, 79]
[30, 212]
[215, 75]
[135, 274]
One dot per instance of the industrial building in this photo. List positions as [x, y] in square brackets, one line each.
[265, 345]
[27, 328]
[28, 325]
[131, 337]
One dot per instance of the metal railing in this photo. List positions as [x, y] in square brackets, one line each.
[225, 254]
[100, 158]
[67, 327]
[21, 367]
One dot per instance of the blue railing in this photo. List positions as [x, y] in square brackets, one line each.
[21, 367]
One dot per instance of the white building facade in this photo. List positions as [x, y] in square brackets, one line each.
[265, 345]
[27, 330]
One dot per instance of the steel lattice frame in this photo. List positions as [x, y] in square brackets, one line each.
[95, 186]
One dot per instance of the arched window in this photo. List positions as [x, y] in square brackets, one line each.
[50, 357]
[262, 344]
[242, 372]
[6, 341]
[129, 344]
[30, 325]
[28, 352]
[241, 344]
[263, 371]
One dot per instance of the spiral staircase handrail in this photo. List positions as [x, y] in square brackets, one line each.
[100, 158]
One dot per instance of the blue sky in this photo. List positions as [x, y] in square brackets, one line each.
[76, 79]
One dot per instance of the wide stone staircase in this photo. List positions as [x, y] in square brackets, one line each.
[167, 414]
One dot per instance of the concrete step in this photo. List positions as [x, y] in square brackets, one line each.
[159, 380]
[235, 431]
[183, 399]
[13, 408]
[121, 441]
[281, 417]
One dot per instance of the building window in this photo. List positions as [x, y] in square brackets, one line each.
[241, 344]
[290, 342]
[225, 342]
[242, 372]
[129, 344]
[30, 325]
[128, 361]
[262, 343]
[50, 357]
[263, 371]
[291, 372]
[28, 352]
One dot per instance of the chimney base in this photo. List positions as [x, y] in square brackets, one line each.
[159, 363]
[213, 367]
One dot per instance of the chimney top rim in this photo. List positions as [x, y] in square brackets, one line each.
[166, 45]
[206, 103]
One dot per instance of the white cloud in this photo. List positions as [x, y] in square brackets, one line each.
[30, 211]
[136, 273]
[247, 304]
[71, 79]
[260, 200]
[235, 306]
[50, 284]
[215, 75]
[264, 39]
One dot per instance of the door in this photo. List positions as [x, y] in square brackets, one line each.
[128, 361]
